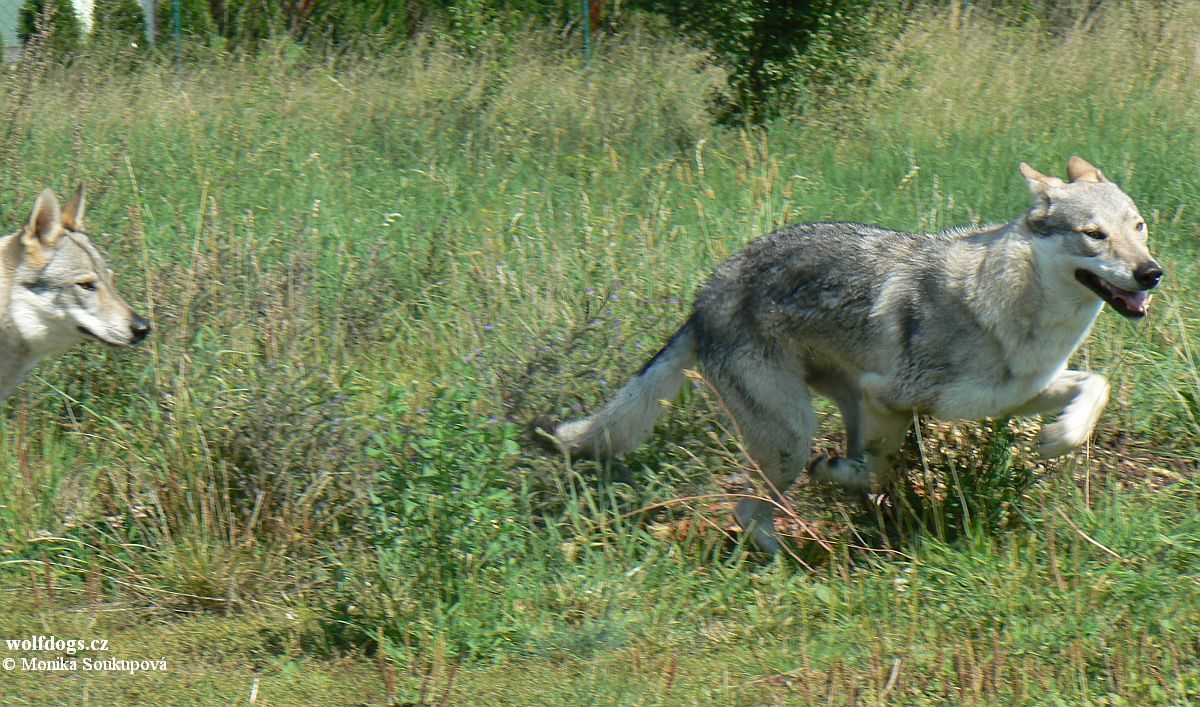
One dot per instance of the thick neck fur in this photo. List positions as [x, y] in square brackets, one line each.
[1017, 294]
[17, 355]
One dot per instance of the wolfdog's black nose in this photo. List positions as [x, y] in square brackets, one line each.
[140, 328]
[1148, 274]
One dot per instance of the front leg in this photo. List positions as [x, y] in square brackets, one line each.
[1078, 398]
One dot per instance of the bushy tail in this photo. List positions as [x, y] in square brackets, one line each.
[627, 419]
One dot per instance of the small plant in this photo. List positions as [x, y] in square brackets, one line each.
[296, 456]
[447, 520]
[963, 478]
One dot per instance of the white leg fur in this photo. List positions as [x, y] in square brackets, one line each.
[1078, 398]
[1074, 426]
[848, 473]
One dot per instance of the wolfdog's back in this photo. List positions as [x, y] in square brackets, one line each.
[813, 284]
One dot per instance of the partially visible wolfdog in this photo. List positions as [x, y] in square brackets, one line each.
[56, 291]
[965, 324]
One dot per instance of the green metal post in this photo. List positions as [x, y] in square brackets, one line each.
[587, 32]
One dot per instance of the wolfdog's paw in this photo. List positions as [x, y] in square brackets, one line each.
[757, 518]
[848, 473]
[1060, 438]
[816, 467]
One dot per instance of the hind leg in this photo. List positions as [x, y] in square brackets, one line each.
[772, 408]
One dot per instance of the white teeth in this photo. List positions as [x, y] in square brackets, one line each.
[1129, 302]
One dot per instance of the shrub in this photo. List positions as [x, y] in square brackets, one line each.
[119, 23]
[777, 50]
[447, 514]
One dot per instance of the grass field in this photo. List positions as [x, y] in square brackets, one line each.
[312, 484]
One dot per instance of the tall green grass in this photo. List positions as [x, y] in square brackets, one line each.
[365, 279]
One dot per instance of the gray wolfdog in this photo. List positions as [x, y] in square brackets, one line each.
[968, 323]
[56, 291]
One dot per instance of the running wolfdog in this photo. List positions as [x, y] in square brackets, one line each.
[968, 323]
[56, 291]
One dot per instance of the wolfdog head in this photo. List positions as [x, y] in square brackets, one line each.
[63, 291]
[1095, 234]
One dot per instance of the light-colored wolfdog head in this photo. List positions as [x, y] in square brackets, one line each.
[1095, 235]
[62, 291]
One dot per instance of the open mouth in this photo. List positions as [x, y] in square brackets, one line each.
[92, 335]
[1132, 305]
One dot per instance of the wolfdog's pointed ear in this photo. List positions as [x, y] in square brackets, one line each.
[1040, 187]
[45, 224]
[1040, 184]
[1078, 170]
[72, 215]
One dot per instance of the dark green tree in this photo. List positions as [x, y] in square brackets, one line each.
[247, 22]
[195, 20]
[56, 19]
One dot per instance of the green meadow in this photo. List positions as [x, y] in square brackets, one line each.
[314, 483]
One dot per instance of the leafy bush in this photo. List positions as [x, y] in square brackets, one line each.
[444, 497]
[120, 25]
[120, 20]
[448, 521]
[776, 50]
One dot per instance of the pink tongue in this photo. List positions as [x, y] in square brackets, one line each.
[1136, 301]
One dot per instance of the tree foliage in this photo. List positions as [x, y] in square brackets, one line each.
[196, 20]
[51, 21]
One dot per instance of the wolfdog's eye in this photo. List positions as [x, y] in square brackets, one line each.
[88, 285]
[1094, 233]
